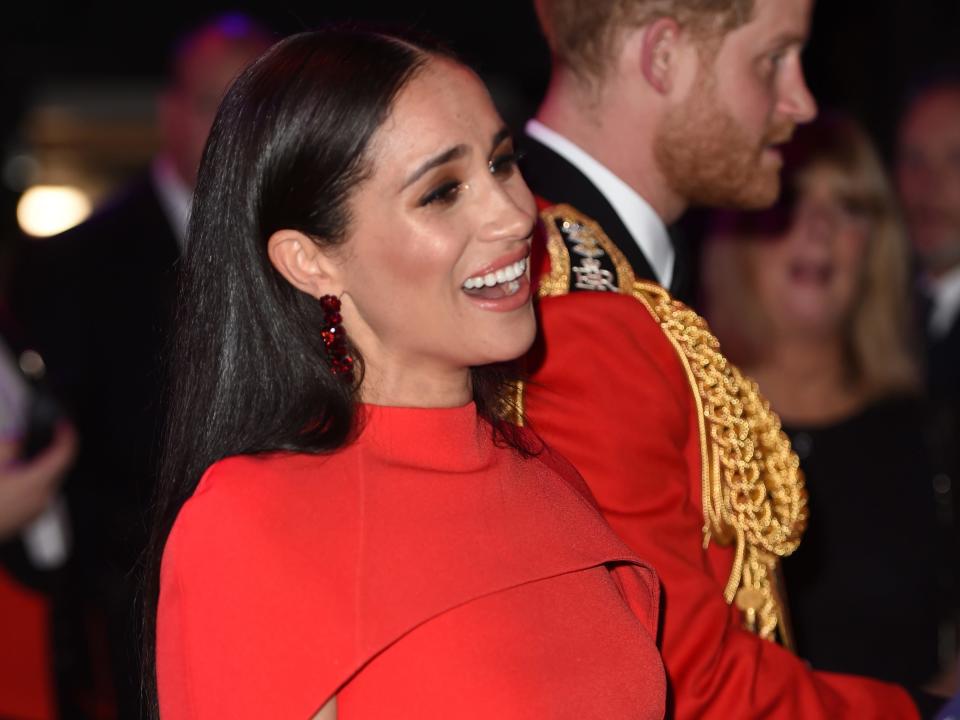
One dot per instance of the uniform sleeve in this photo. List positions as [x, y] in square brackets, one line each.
[245, 629]
[608, 391]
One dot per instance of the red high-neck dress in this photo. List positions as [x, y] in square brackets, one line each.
[423, 571]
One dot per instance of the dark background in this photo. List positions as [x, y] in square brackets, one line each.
[862, 56]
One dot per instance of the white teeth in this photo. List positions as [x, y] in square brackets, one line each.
[507, 274]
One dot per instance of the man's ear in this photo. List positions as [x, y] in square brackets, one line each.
[660, 53]
[304, 263]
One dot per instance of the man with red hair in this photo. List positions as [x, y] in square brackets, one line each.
[654, 106]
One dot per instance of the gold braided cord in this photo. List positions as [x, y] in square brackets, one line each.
[754, 494]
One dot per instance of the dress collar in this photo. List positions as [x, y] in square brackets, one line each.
[444, 439]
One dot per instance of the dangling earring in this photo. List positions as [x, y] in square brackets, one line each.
[335, 339]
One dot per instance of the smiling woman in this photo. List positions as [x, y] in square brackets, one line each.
[348, 525]
[811, 299]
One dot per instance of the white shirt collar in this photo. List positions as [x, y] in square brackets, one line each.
[175, 197]
[641, 221]
[945, 294]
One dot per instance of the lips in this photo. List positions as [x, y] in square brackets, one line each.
[501, 285]
[811, 273]
[496, 282]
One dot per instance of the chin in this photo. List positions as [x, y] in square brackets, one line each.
[761, 193]
[511, 345]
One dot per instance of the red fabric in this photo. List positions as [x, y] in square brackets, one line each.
[422, 572]
[26, 682]
[609, 393]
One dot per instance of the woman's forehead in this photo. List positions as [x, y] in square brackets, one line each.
[444, 104]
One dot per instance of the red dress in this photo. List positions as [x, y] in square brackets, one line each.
[421, 572]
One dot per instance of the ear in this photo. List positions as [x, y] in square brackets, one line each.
[660, 53]
[304, 263]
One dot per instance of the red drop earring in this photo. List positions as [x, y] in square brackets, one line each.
[335, 339]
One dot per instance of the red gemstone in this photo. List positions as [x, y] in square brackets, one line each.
[330, 303]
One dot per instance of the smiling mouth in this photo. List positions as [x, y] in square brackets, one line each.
[811, 273]
[499, 283]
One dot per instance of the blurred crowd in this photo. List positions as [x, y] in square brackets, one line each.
[842, 302]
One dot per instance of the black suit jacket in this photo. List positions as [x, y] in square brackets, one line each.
[553, 178]
[943, 382]
[96, 303]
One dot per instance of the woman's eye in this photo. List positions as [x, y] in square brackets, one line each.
[504, 165]
[443, 194]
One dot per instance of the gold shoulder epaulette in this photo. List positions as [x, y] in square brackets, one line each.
[753, 491]
[582, 257]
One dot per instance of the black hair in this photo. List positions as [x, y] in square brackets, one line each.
[248, 371]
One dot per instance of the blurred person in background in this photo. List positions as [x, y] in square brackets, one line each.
[928, 177]
[27, 487]
[812, 299]
[95, 303]
[36, 450]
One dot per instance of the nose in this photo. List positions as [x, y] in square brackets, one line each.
[817, 222]
[508, 211]
[796, 100]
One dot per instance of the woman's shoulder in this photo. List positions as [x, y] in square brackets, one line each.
[262, 499]
[246, 478]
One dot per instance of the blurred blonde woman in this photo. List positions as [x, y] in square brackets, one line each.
[812, 300]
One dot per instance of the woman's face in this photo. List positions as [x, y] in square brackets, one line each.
[434, 268]
[808, 279]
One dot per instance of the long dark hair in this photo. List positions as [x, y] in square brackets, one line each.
[248, 371]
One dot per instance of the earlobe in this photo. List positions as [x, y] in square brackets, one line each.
[303, 263]
[658, 54]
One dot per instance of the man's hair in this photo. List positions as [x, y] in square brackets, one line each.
[583, 34]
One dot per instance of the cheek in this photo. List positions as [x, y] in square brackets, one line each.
[403, 273]
[749, 99]
[412, 255]
[951, 185]
[770, 263]
[851, 250]
[851, 257]
[522, 196]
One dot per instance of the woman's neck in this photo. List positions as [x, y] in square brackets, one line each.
[806, 381]
[397, 386]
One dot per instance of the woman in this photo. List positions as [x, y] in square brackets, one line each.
[369, 538]
[811, 299]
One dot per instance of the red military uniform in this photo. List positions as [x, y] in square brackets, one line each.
[628, 386]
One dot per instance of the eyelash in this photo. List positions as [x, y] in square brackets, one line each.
[504, 165]
[444, 194]
[506, 161]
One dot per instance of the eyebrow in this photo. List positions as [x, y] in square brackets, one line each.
[785, 39]
[454, 153]
[501, 135]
